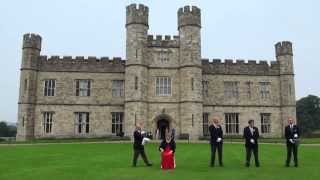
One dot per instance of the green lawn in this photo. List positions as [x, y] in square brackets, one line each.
[113, 161]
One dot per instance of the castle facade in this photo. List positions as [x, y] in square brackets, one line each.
[164, 83]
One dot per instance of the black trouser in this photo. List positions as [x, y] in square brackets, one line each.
[253, 150]
[214, 148]
[292, 149]
[137, 152]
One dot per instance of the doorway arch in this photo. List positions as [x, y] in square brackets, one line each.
[162, 123]
[162, 126]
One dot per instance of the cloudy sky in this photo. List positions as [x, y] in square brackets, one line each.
[232, 29]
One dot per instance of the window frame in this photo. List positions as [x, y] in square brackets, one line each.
[49, 87]
[82, 126]
[164, 56]
[205, 88]
[117, 89]
[265, 89]
[80, 90]
[164, 84]
[205, 124]
[117, 122]
[231, 89]
[232, 123]
[265, 126]
[47, 122]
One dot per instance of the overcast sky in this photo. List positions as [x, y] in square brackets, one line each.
[231, 29]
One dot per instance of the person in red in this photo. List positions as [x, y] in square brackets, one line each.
[167, 148]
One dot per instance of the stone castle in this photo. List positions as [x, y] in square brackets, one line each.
[163, 83]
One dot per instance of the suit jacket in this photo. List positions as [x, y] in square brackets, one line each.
[172, 145]
[247, 135]
[215, 133]
[289, 133]
[137, 144]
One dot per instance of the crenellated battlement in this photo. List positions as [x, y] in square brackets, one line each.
[137, 14]
[240, 67]
[82, 59]
[31, 40]
[163, 41]
[81, 64]
[189, 16]
[283, 48]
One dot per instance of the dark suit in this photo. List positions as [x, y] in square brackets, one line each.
[251, 147]
[172, 145]
[215, 133]
[292, 147]
[138, 148]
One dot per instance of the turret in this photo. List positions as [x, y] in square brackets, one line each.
[137, 15]
[189, 17]
[32, 41]
[136, 73]
[189, 26]
[31, 47]
[137, 30]
[284, 55]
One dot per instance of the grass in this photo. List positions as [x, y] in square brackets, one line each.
[279, 140]
[113, 161]
[103, 139]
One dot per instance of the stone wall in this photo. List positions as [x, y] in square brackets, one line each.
[65, 92]
[217, 97]
[64, 120]
[245, 114]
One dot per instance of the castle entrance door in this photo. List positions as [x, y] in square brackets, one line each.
[162, 126]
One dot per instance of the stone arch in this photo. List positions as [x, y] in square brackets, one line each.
[160, 123]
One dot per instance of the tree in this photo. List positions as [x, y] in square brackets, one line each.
[7, 130]
[308, 114]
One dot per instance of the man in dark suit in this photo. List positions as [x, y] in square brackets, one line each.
[292, 135]
[138, 148]
[216, 141]
[251, 135]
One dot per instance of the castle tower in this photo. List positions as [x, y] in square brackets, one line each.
[189, 26]
[284, 57]
[31, 48]
[136, 73]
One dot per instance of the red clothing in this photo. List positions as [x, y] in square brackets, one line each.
[167, 161]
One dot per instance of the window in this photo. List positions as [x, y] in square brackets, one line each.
[248, 88]
[232, 123]
[83, 87]
[25, 85]
[163, 86]
[117, 88]
[265, 123]
[205, 91]
[82, 125]
[117, 123]
[205, 124]
[164, 56]
[192, 120]
[192, 84]
[136, 82]
[136, 53]
[290, 89]
[23, 121]
[47, 122]
[265, 90]
[49, 87]
[231, 89]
